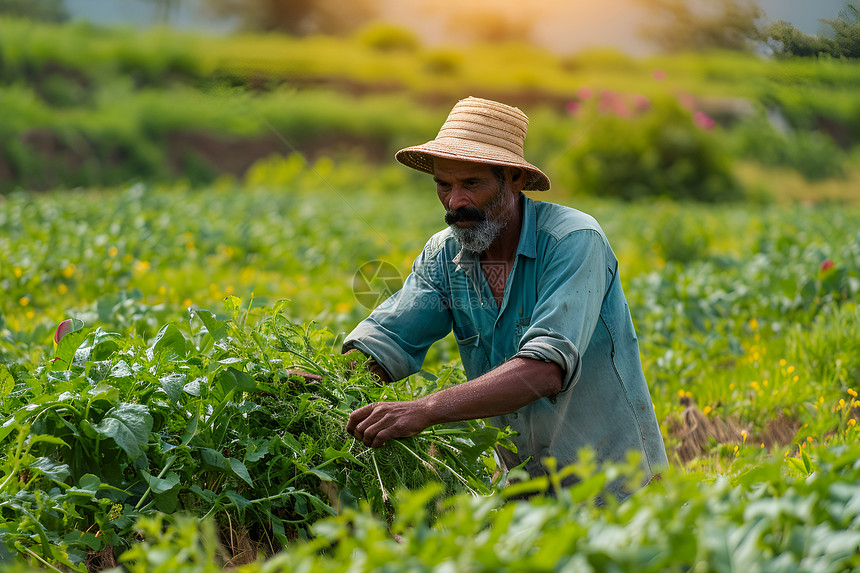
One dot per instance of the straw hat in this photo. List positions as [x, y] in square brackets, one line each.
[483, 131]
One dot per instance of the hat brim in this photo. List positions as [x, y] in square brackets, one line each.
[420, 157]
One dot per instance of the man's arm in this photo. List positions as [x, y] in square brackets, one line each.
[508, 388]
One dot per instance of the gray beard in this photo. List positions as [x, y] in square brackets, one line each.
[480, 236]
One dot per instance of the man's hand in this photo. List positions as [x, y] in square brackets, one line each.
[506, 389]
[376, 423]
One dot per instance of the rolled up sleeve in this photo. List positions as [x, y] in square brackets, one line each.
[570, 295]
[398, 333]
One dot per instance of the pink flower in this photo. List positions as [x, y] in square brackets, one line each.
[584, 93]
[687, 101]
[703, 120]
[659, 75]
[641, 102]
[573, 107]
[826, 265]
[63, 329]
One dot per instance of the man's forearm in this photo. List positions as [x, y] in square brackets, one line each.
[511, 386]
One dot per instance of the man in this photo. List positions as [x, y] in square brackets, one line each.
[532, 293]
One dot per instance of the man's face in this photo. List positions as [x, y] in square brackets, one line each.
[476, 204]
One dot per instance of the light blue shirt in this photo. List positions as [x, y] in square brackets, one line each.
[563, 303]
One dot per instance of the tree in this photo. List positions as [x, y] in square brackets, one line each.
[846, 31]
[683, 25]
[45, 10]
[842, 41]
[299, 17]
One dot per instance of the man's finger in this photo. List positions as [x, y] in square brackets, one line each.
[359, 416]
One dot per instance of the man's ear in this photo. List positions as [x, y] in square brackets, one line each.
[518, 178]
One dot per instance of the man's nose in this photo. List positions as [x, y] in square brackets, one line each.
[458, 198]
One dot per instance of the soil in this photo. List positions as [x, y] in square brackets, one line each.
[695, 430]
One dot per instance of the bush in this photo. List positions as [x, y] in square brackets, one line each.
[813, 154]
[45, 10]
[389, 38]
[660, 152]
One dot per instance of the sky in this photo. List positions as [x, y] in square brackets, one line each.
[573, 26]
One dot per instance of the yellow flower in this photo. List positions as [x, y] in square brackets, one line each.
[30, 314]
[187, 302]
[851, 422]
[112, 252]
[855, 403]
[852, 392]
[62, 289]
[18, 272]
[189, 245]
[753, 324]
[707, 410]
[142, 266]
[762, 445]
[782, 362]
[24, 301]
[809, 439]
[69, 271]
[790, 369]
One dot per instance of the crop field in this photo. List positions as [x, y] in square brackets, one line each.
[188, 231]
[175, 396]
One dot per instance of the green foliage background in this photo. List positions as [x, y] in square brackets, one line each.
[162, 402]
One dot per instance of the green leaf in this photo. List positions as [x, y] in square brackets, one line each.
[129, 425]
[46, 439]
[170, 340]
[807, 463]
[332, 454]
[206, 495]
[324, 476]
[239, 501]
[240, 470]
[51, 470]
[7, 382]
[217, 328]
[797, 465]
[88, 484]
[67, 347]
[230, 378]
[160, 485]
[256, 449]
[213, 458]
[173, 384]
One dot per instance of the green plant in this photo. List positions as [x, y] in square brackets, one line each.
[654, 152]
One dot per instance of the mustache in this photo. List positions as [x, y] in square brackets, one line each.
[464, 214]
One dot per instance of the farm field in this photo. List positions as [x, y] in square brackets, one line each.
[747, 320]
[190, 226]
